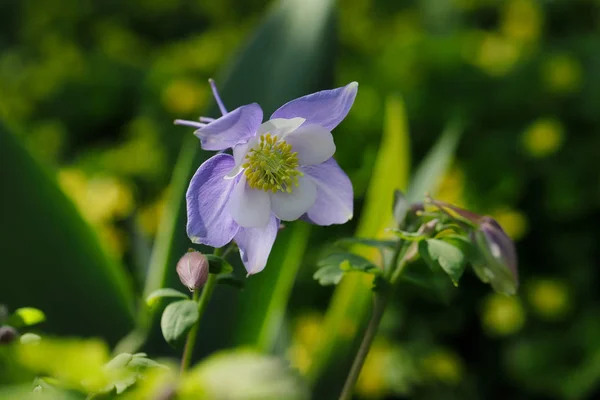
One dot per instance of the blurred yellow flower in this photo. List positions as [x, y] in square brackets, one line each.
[150, 215]
[522, 21]
[562, 73]
[495, 54]
[184, 96]
[543, 137]
[502, 315]
[372, 382]
[513, 222]
[444, 365]
[305, 337]
[100, 200]
[549, 298]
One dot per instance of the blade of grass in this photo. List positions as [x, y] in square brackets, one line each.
[51, 258]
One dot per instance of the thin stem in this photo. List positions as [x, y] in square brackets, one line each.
[202, 301]
[379, 304]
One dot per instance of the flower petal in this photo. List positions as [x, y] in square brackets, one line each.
[208, 221]
[313, 143]
[251, 208]
[291, 206]
[280, 126]
[334, 194]
[255, 245]
[232, 128]
[326, 108]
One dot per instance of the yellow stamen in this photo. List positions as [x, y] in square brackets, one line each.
[272, 166]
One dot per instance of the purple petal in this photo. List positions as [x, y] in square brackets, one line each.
[207, 196]
[326, 108]
[255, 245]
[237, 126]
[334, 204]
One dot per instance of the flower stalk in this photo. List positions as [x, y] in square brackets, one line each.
[202, 300]
[380, 301]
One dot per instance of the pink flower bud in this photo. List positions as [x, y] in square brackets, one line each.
[192, 269]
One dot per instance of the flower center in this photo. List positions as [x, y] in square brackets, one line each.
[272, 166]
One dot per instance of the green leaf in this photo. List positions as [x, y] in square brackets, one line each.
[218, 265]
[410, 236]
[329, 275]
[438, 253]
[429, 173]
[46, 243]
[27, 338]
[230, 280]
[177, 320]
[26, 316]
[380, 244]
[349, 262]
[333, 267]
[155, 296]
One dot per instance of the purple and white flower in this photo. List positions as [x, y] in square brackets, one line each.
[282, 169]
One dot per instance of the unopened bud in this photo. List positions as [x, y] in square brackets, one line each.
[7, 334]
[192, 269]
[499, 257]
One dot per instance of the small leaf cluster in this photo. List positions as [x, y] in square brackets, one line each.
[443, 237]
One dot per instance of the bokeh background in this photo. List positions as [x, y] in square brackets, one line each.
[90, 89]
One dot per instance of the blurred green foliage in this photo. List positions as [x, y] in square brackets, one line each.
[91, 89]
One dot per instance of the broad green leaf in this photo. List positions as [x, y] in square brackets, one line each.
[438, 253]
[429, 173]
[26, 316]
[352, 297]
[218, 265]
[155, 296]
[52, 259]
[177, 320]
[283, 60]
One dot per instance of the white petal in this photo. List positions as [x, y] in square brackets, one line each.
[239, 155]
[313, 143]
[280, 127]
[249, 207]
[240, 151]
[291, 206]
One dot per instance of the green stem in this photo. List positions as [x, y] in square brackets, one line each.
[380, 302]
[379, 305]
[202, 301]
